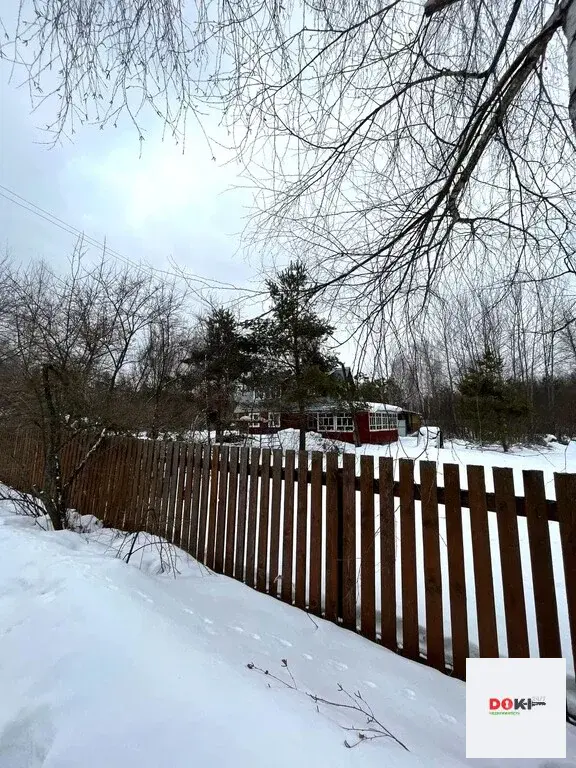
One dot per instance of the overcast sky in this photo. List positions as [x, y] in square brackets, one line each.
[150, 203]
[149, 206]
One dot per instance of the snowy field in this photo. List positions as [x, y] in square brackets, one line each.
[551, 458]
[104, 663]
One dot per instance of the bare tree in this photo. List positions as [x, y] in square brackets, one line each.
[67, 341]
[157, 373]
[392, 142]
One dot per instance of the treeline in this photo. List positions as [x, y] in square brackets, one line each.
[107, 349]
[486, 364]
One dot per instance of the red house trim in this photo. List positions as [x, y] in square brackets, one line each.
[362, 421]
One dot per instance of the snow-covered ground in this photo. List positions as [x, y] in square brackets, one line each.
[551, 458]
[103, 663]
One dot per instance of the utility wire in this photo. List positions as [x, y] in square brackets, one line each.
[31, 207]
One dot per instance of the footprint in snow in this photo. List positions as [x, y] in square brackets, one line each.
[148, 599]
[187, 610]
[285, 643]
[409, 693]
[255, 637]
[237, 629]
[370, 684]
[208, 621]
[443, 716]
[307, 656]
[338, 665]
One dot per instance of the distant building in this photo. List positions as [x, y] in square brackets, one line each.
[375, 422]
[257, 413]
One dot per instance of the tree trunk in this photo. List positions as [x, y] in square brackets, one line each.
[302, 420]
[570, 32]
[52, 494]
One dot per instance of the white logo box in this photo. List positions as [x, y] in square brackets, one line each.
[516, 708]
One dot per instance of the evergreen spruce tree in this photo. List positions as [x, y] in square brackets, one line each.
[492, 407]
[291, 345]
[221, 360]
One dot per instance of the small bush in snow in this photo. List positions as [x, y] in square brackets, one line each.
[350, 703]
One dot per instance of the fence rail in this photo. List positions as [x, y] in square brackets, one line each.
[434, 573]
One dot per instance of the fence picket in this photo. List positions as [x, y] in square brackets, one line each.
[166, 488]
[301, 532]
[111, 515]
[511, 564]
[275, 522]
[212, 507]
[231, 512]
[367, 553]
[263, 523]
[315, 575]
[221, 510]
[145, 486]
[482, 561]
[410, 632]
[388, 622]
[541, 561]
[137, 486]
[127, 479]
[566, 494]
[184, 462]
[187, 501]
[432, 569]
[101, 481]
[288, 528]
[155, 486]
[331, 590]
[195, 481]
[348, 521]
[241, 516]
[203, 512]
[456, 570]
[252, 520]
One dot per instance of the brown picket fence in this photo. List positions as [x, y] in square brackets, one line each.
[360, 550]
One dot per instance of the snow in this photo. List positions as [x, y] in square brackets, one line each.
[380, 407]
[550, 458]
[109, 664]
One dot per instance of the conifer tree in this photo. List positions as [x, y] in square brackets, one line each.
[492, 407]
[220, 361]
[291, 345]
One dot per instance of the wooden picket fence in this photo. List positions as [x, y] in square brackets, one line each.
[309, 530]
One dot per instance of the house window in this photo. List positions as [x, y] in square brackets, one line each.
[335, 422]
[325, 422]
[344, 422]
[383, 420]
[255, 419]
[273, 419]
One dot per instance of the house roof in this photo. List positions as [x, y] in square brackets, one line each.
[379, 407]
[330, 406]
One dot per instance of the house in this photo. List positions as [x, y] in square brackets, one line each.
[258, 413]
[374, 422]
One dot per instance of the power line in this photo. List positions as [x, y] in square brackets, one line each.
[31, 207]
